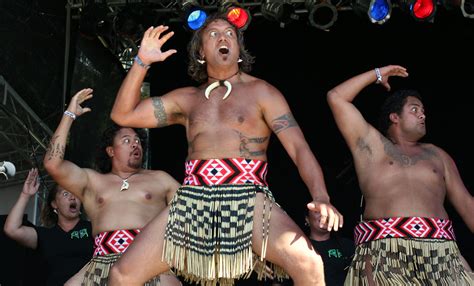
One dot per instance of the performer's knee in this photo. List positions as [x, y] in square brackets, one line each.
[308, 270]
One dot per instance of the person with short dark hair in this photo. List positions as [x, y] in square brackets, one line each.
[337, 251]
[406, 236]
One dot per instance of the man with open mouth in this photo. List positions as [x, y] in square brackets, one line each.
[120, 198]
[225, 217]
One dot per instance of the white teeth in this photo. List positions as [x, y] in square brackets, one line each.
[223, 47]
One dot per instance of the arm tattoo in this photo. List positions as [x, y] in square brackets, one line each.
[245, 151]
[55, 150]
[160, 113]
[283, 122]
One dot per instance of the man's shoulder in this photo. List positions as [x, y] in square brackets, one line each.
[160, 174]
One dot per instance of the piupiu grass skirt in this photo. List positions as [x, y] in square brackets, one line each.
[407, 261]
[108, 248]
[98, 269]
[208, 237]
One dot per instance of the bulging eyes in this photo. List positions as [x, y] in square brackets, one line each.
[213, 34]
[229, 33]
[127, 141]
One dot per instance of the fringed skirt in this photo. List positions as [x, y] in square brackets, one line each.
[208, 237]
[406, 251]
[108, 247]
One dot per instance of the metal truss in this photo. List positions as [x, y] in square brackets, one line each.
[24, 138]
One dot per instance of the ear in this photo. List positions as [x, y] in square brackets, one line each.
[110, 151]
[54, 204]
[394, 117]
[201, 54]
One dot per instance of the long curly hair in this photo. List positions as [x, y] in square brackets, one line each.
[394, 104]
[198, 71]
[103, 163]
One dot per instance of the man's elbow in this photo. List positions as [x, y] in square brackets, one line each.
[331, 96]
[51, 165]
[118, 118]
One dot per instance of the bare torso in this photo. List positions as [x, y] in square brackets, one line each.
[110, 209]
[234, 127]
[398, 182]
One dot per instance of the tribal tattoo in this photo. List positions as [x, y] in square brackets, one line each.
[159, 111]
[245, 141]
[283, 122]
[403, 159]
[55, 150]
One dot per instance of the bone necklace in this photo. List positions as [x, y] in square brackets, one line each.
[220, 82]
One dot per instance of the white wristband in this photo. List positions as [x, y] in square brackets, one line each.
[70, 114]
[379, 76]
[141, 63]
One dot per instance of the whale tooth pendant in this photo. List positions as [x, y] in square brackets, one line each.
[216, 84]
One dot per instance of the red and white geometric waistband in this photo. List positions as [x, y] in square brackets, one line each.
[116, 241]
[225, 171]
[407, 227]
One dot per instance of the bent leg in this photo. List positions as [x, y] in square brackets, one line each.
[142, 260]
[287, 245]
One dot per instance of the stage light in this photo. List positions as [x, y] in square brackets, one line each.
[378, 11]
[279, 11]
[420, 10]
[322, 15]
[7, 169]
[236, 14]
[467, 8]
[193, 15]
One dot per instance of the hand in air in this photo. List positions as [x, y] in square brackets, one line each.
[152, 42]
[330, 216]
[31, 185]
[391, 70]
[76, 101]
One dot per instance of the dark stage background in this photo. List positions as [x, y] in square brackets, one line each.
[301, 61]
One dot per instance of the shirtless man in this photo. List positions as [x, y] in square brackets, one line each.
[222, 212]
[406, 237]
[121, 199]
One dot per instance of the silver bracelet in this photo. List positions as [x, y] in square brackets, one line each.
[379, 76]
[70, 114]
[141, 63]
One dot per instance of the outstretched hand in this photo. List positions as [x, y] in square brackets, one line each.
[151, 44]
[31, 185]
[331, 218]
[391, 70]
[76, 101]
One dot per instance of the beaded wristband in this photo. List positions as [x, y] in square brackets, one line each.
[70, 114]
[379, 76]
[141, 63]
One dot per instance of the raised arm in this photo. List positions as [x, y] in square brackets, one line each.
[65, 173]
[349, 120]
[129, 110]
[280, 119]
[14, 228]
